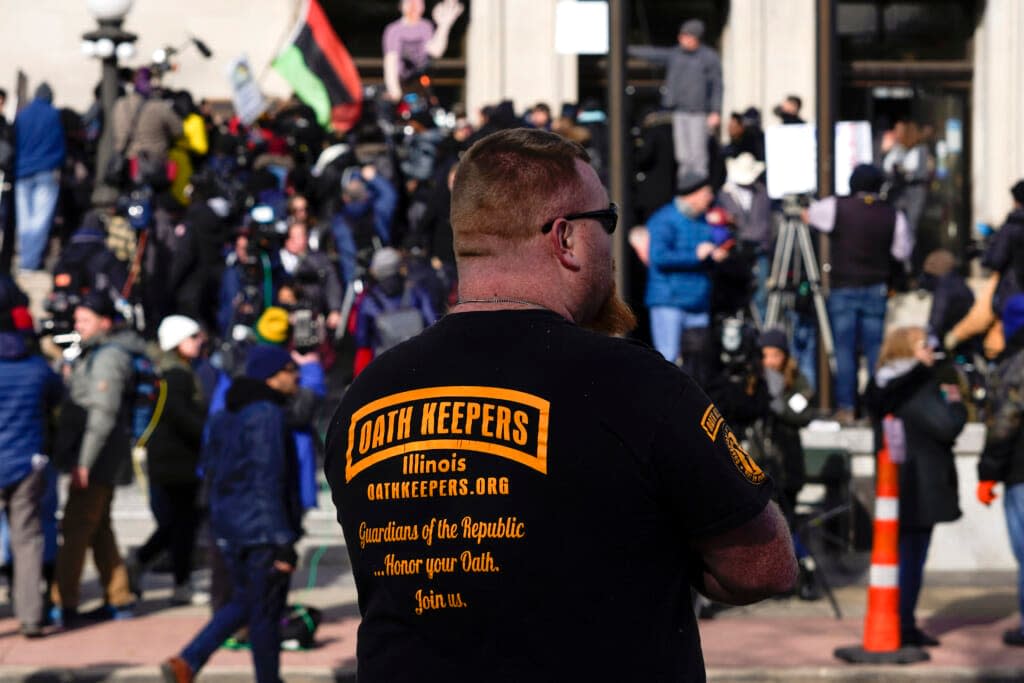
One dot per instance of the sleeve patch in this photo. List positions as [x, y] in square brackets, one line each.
[711, 422]
[744, 463]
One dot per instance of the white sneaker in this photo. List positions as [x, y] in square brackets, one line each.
[182, 594]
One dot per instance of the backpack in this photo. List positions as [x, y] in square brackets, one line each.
[396, 325]
[144, 396]
[298, 627]
[142, 403]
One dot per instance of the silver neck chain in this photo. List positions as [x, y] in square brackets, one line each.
[499, 300]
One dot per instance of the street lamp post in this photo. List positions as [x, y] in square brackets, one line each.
[108, 43]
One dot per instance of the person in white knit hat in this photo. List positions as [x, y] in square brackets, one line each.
[172, 454]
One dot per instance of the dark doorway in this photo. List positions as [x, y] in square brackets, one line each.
[941, 114]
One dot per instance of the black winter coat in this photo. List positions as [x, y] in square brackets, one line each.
[1003, 456]
[928, 479]
[173, 448]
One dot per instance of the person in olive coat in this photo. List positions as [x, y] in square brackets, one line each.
[932, 414]
[172, 455]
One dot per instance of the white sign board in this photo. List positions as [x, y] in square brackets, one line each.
[245, 92]
[853, 147]
[791, 155]
[581, 28]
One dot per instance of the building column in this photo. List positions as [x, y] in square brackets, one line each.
[768, 53]
[997, 160]
[511, 55]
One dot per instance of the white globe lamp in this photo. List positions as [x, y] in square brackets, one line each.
[108, 10]
[104, 48]
[125, 51]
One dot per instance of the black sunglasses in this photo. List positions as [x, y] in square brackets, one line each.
[608, 218]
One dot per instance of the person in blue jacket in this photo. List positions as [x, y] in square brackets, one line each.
[369, 205]
[255, 513]
[682, 251]
[39, 155]
[28, 390]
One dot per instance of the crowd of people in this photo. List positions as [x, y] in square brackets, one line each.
[239, 274]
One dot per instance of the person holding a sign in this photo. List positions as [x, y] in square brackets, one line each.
[692, 91]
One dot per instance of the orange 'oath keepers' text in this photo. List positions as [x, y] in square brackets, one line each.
[501, 422]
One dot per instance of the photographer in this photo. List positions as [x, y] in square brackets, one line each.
[252, 272]
[311, 276]
[84, 265]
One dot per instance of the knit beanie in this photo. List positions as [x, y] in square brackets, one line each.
[1013, 315]
[385, 263]
[690, 183]
[693, 27]
[264, 361]
[175, 329]
[273, 326]
[775, 338]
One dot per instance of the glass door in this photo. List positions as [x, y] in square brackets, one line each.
[936, 116]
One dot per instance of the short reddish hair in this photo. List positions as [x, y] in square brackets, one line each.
[511, 183]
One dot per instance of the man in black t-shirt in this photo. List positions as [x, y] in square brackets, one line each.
[523, 496]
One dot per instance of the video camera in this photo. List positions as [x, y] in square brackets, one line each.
[266, 232]
[137, 207]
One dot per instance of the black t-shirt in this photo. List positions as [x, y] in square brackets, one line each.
[518, 497]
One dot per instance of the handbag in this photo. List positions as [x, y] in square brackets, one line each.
[117, 172]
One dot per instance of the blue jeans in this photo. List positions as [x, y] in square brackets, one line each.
[762, 269]
[805, 346]
[857, 315]
[35, 199]
[259, 594]
[667, 326]
[345, 243]
[913, 554]
[1013, 506]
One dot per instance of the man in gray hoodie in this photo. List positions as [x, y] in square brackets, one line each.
[94, 445]
[692, 91]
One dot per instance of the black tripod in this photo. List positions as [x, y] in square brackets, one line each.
[794, 254]
[760, 439]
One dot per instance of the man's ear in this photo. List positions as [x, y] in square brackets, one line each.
[563, 238]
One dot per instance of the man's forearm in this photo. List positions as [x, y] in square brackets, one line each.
[758, 564]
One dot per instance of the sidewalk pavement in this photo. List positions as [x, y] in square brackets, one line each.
[779, 640]
[776, 640]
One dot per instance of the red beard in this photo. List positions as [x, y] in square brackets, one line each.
[614, 317]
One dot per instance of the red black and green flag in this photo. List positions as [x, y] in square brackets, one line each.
[321, 71]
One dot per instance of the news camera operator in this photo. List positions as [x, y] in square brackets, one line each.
[311, 276]
[252, 273]
[84, 265]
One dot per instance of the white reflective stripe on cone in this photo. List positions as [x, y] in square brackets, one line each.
[887, 509]
[884, 576]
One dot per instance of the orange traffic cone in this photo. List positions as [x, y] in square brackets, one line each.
[882, 622]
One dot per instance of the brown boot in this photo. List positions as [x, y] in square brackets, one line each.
[176, 670]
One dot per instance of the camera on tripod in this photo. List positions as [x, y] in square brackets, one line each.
[793, 205]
